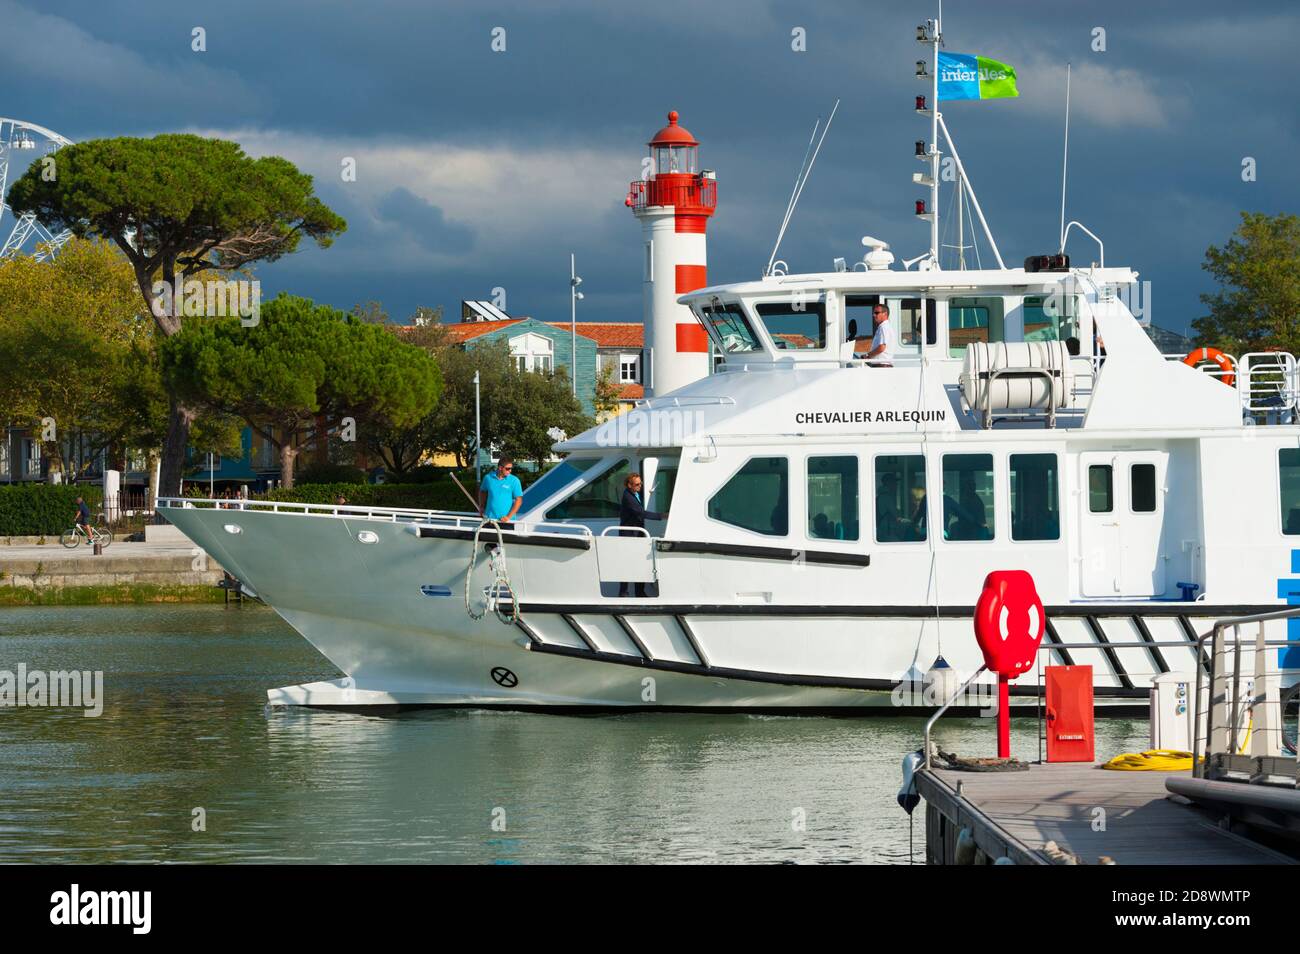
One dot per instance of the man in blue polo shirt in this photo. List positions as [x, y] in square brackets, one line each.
[500, 494]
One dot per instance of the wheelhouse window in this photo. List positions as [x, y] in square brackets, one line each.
[911, 323]
[756, 498]
[600, 498]
[729, 328]
[1101, 488]
[1049, 317]
[1142, 488]
[833, 498]
[562, 474]
[1288, 479]
[795, 325]
[968, 496]
[1035, 497]
[900, 498]
[971, 320]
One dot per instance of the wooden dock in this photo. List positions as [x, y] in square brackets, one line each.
[1128, 817]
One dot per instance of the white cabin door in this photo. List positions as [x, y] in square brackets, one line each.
[1122, 523]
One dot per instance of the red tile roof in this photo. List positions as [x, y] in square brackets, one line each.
[630, 392]
[606, 334]
[468, 330]
[609, 334]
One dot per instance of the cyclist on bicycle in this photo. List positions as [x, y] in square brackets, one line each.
[83, 516]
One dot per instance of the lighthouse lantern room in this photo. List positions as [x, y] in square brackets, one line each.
[674, 205]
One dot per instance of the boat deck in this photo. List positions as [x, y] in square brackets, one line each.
[1128, 817]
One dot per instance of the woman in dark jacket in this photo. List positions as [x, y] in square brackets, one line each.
[632, 513]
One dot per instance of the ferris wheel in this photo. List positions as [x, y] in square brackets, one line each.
[17, 136]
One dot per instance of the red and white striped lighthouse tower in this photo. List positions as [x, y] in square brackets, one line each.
[674, 205]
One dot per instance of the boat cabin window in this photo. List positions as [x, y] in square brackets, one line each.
[974, 319]
[1142, 488]
[833, 498]
[795, 325]
[968, 496]
[565, 472]
[598, 498]
[1035, 495]
[665, 482]
[729, 328]
[757, 497]
[900, 498]
[1288, 479]
[1101, 489]
[1049, 317]
[909, 325]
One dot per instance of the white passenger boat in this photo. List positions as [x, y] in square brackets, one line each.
[829, 522]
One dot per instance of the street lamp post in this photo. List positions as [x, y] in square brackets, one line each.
[575, 296]
[478, 436]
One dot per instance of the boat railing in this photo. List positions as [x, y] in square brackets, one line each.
[1224, 704]
[1267, 383]
[446, 519]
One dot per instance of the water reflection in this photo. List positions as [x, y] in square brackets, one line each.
[185, 728]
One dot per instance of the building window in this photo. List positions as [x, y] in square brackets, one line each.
[1101, 489]
[833, 498]
[1288, 474]
[900, 498]
[629, 368]
[1035, 492]
[533, 352]
[968, 496]
[4, 455]
[756, 498]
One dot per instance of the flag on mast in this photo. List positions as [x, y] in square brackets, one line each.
[965, 76]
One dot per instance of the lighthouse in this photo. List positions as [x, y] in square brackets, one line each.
[674, 204]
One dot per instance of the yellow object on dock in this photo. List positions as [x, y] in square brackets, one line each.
[1152, 760]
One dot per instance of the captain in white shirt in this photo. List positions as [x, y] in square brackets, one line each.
[881, 354]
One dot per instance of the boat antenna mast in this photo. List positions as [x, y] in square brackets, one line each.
[1065, 158]
[800, 180]
[930, 33]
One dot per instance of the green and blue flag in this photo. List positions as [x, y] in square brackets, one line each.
[964, 76]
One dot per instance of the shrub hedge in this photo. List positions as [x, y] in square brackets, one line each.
[434, 496]
[42, 509]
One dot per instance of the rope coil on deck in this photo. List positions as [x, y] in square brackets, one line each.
[500, 579]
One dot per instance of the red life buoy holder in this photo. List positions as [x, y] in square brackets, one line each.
[1224, 362]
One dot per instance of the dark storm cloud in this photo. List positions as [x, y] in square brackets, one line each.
[529, 151]
[424, 222]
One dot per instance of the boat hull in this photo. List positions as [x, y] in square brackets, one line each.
[384, 601]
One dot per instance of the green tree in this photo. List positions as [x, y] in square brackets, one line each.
[1257, 304]
[535, 404]
[301, 361]
[176, 206]
[607, 391]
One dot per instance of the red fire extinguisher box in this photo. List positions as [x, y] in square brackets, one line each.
[1070, 726]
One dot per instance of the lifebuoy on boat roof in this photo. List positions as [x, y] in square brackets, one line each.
[1200, 355]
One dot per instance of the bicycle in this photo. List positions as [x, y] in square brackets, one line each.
[92, 535]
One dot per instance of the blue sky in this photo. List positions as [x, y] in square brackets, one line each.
[479, 169]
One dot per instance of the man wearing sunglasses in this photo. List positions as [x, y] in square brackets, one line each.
[500, 494]
[881, 354]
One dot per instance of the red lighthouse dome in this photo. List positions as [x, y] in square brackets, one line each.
[673, 134]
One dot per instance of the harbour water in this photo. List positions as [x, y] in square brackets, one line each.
[185, 738]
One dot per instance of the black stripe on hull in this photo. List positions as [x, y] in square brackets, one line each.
[911, 611]
[784, 679]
